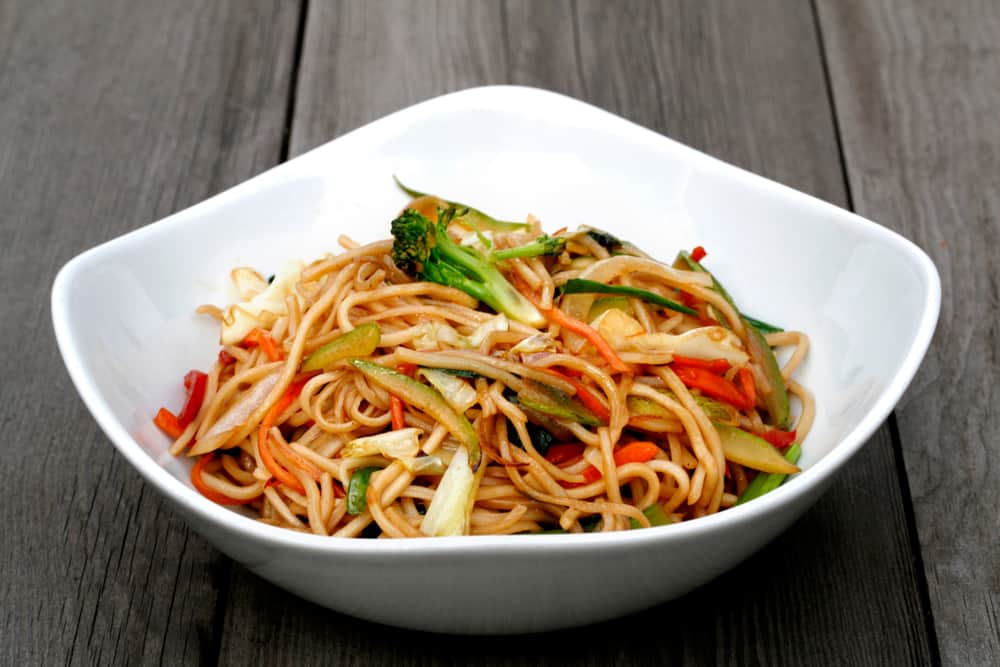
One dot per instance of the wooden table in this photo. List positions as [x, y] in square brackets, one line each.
[115, 113]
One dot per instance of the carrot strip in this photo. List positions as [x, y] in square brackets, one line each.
[264, 447]
[557, 316]
[205, 490]
[261, 337]
[585, 396]
[398, 407]
[398, 419]
[636, 452]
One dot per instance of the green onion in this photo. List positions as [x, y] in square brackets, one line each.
[580, 286]
[761, 325]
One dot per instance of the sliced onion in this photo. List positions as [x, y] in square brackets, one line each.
[236, 415]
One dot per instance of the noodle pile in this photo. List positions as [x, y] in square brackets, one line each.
[538, 472]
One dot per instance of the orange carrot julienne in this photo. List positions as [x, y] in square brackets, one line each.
[636, 452]
[264, 448]
[208, 492]
[398, 419]
[583, 329]
[262, 337]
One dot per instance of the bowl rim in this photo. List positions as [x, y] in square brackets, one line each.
[493, 97]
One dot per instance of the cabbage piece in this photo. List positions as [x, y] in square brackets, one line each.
[496, 323]
[433, 335]
[455, 390]
[451, 507]
[625, 334]
[395, 445]
[424, 465]
[263, 309]
[539, 342]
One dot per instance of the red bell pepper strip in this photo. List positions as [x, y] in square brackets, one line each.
[261, 337]
[225, 358]
[559, 454]
[717, 366]
[174, 425]
[712, 385]
[212, 494]
[584, 395]
[779, 439]
[698, 253]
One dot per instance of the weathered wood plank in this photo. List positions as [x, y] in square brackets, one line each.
[917, 89]
[114, 114]
[742, 82]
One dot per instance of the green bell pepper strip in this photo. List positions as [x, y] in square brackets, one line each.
[551, 401]
[580, 286]
[775, 396]
[470, 217]
[426, 399]
[767, 482]
[359, 342]
[357, 490]
[752, 451]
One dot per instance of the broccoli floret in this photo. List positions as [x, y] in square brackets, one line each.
[424, 251]
[543, 245]
[413, 236]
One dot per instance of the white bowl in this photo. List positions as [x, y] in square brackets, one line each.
[124, 319]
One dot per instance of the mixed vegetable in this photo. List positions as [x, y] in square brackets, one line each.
[726, 363]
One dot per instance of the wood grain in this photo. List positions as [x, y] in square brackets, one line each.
[113, 114]
[742, 82]
[917, 88]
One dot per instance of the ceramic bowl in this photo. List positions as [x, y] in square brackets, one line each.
[869, 299]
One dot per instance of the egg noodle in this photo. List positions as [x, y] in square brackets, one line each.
[352, 398]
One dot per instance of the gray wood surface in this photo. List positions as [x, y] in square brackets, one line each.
[112, 114]
[917, 89]
[115, 113]
[744, 83]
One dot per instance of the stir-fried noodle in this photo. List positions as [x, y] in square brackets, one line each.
[351, 399]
